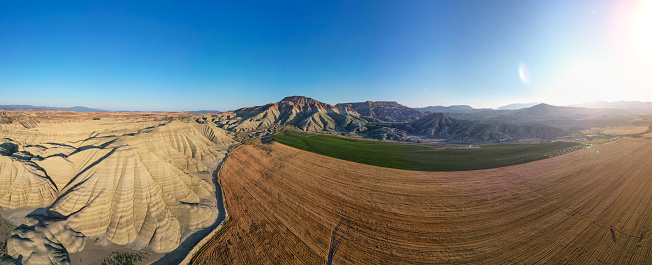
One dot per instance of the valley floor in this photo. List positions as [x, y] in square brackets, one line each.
[293, 206]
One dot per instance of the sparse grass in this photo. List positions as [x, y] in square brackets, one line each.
[3, 250]
[251, 141]
[417, 157]
[5, 230]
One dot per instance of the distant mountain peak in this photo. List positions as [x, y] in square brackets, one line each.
[516, 106]
[300, 100]
[542, 105]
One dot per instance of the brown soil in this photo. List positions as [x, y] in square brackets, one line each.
[625, 130]
[285, 203]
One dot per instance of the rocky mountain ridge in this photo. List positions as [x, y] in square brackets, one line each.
[389, 111]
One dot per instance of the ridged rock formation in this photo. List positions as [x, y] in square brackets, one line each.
[439, 125]
[23, 183]
[124, 183]
[436, 125]
[304, 113]
[384, 110]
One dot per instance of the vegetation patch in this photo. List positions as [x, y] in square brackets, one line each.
[417, 157]
[127, 258]
[3, 250]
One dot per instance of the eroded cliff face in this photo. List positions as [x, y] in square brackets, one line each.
[124, 183]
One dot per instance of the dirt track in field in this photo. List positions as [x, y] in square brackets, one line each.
[285, 204]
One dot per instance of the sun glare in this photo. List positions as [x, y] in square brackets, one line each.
[642, 31]
[622, 72]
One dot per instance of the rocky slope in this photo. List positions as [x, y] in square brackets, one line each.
[302, 112]
[389, 111]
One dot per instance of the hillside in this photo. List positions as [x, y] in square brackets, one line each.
[304, 113]
[384, 110]
[439, 125]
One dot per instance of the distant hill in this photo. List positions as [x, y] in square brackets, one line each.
[24, 108]
[516, 106]
[637, 105]
[302, 112]
[80, 109]
[43, 108]
[384, 110]
[204, 111]
[439, 125]
[446, 109]
[545, 111]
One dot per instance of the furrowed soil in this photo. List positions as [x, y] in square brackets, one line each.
[292, 206]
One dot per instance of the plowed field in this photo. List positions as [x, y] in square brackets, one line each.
[286, 203]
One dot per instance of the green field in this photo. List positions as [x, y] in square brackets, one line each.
[417, 157]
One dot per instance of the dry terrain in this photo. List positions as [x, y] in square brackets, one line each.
[292, 206]
[626, 129]
[83, 185]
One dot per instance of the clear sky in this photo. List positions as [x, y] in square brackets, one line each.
[192, 55]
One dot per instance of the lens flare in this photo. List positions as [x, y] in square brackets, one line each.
[524, 73]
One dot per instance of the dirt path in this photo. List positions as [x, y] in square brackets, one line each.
[195, 241]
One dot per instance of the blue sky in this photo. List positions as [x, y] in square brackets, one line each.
[204, 55]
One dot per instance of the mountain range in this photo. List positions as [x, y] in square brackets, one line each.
[615, 105]
[44, 108]
[389, 120]
[370, 119]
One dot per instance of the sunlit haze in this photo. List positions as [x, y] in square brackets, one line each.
[222, 56]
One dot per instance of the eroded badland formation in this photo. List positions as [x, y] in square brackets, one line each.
[77, 187]
[127, 179]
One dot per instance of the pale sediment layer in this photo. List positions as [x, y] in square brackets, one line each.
[122, 180]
